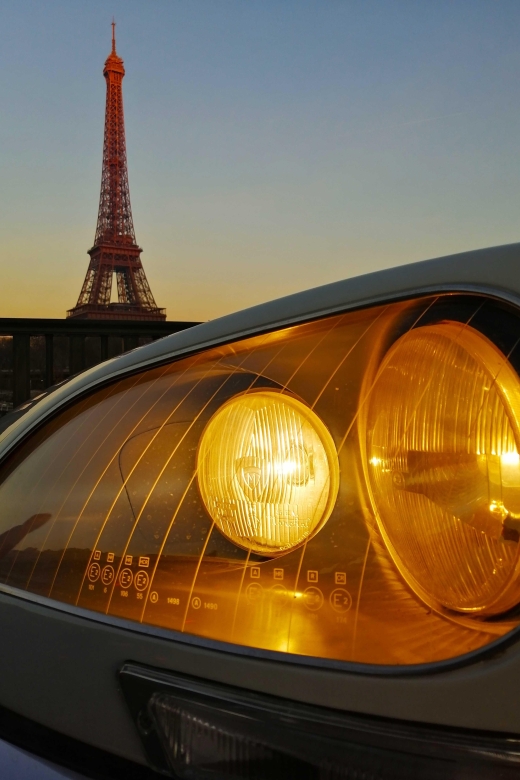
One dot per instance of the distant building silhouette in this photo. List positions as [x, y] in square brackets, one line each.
[115, 250]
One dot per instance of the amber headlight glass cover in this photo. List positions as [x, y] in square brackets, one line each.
[268, 472]
[443, 433]
[342, 490]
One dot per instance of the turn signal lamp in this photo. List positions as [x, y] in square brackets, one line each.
[343, 489]
[191, 728]
[268, 472]
[443, 438]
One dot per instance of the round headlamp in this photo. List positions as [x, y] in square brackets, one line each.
[268, 471]
[444, 467]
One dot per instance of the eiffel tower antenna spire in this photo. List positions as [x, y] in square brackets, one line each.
[115, 250]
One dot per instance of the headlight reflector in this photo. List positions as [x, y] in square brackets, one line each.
[444, 468]
[268, 471]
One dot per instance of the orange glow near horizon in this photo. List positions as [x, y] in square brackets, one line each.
[264, 157]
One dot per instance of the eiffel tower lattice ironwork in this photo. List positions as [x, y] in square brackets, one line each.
[115, 251]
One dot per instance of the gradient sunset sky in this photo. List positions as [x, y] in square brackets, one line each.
[273, 145]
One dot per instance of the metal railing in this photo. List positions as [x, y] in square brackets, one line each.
[37, 353]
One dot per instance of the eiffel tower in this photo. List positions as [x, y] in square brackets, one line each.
[115, 251]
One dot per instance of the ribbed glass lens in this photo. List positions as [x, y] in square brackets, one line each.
[268, 471]
[444, 468]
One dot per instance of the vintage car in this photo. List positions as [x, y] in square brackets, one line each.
[282, 544]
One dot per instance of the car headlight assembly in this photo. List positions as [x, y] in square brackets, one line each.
[306, 475]
[337, 492]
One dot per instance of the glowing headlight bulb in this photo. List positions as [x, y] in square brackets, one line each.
[268, 471]
[443, 429]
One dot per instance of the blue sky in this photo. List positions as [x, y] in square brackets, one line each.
[272, 146]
